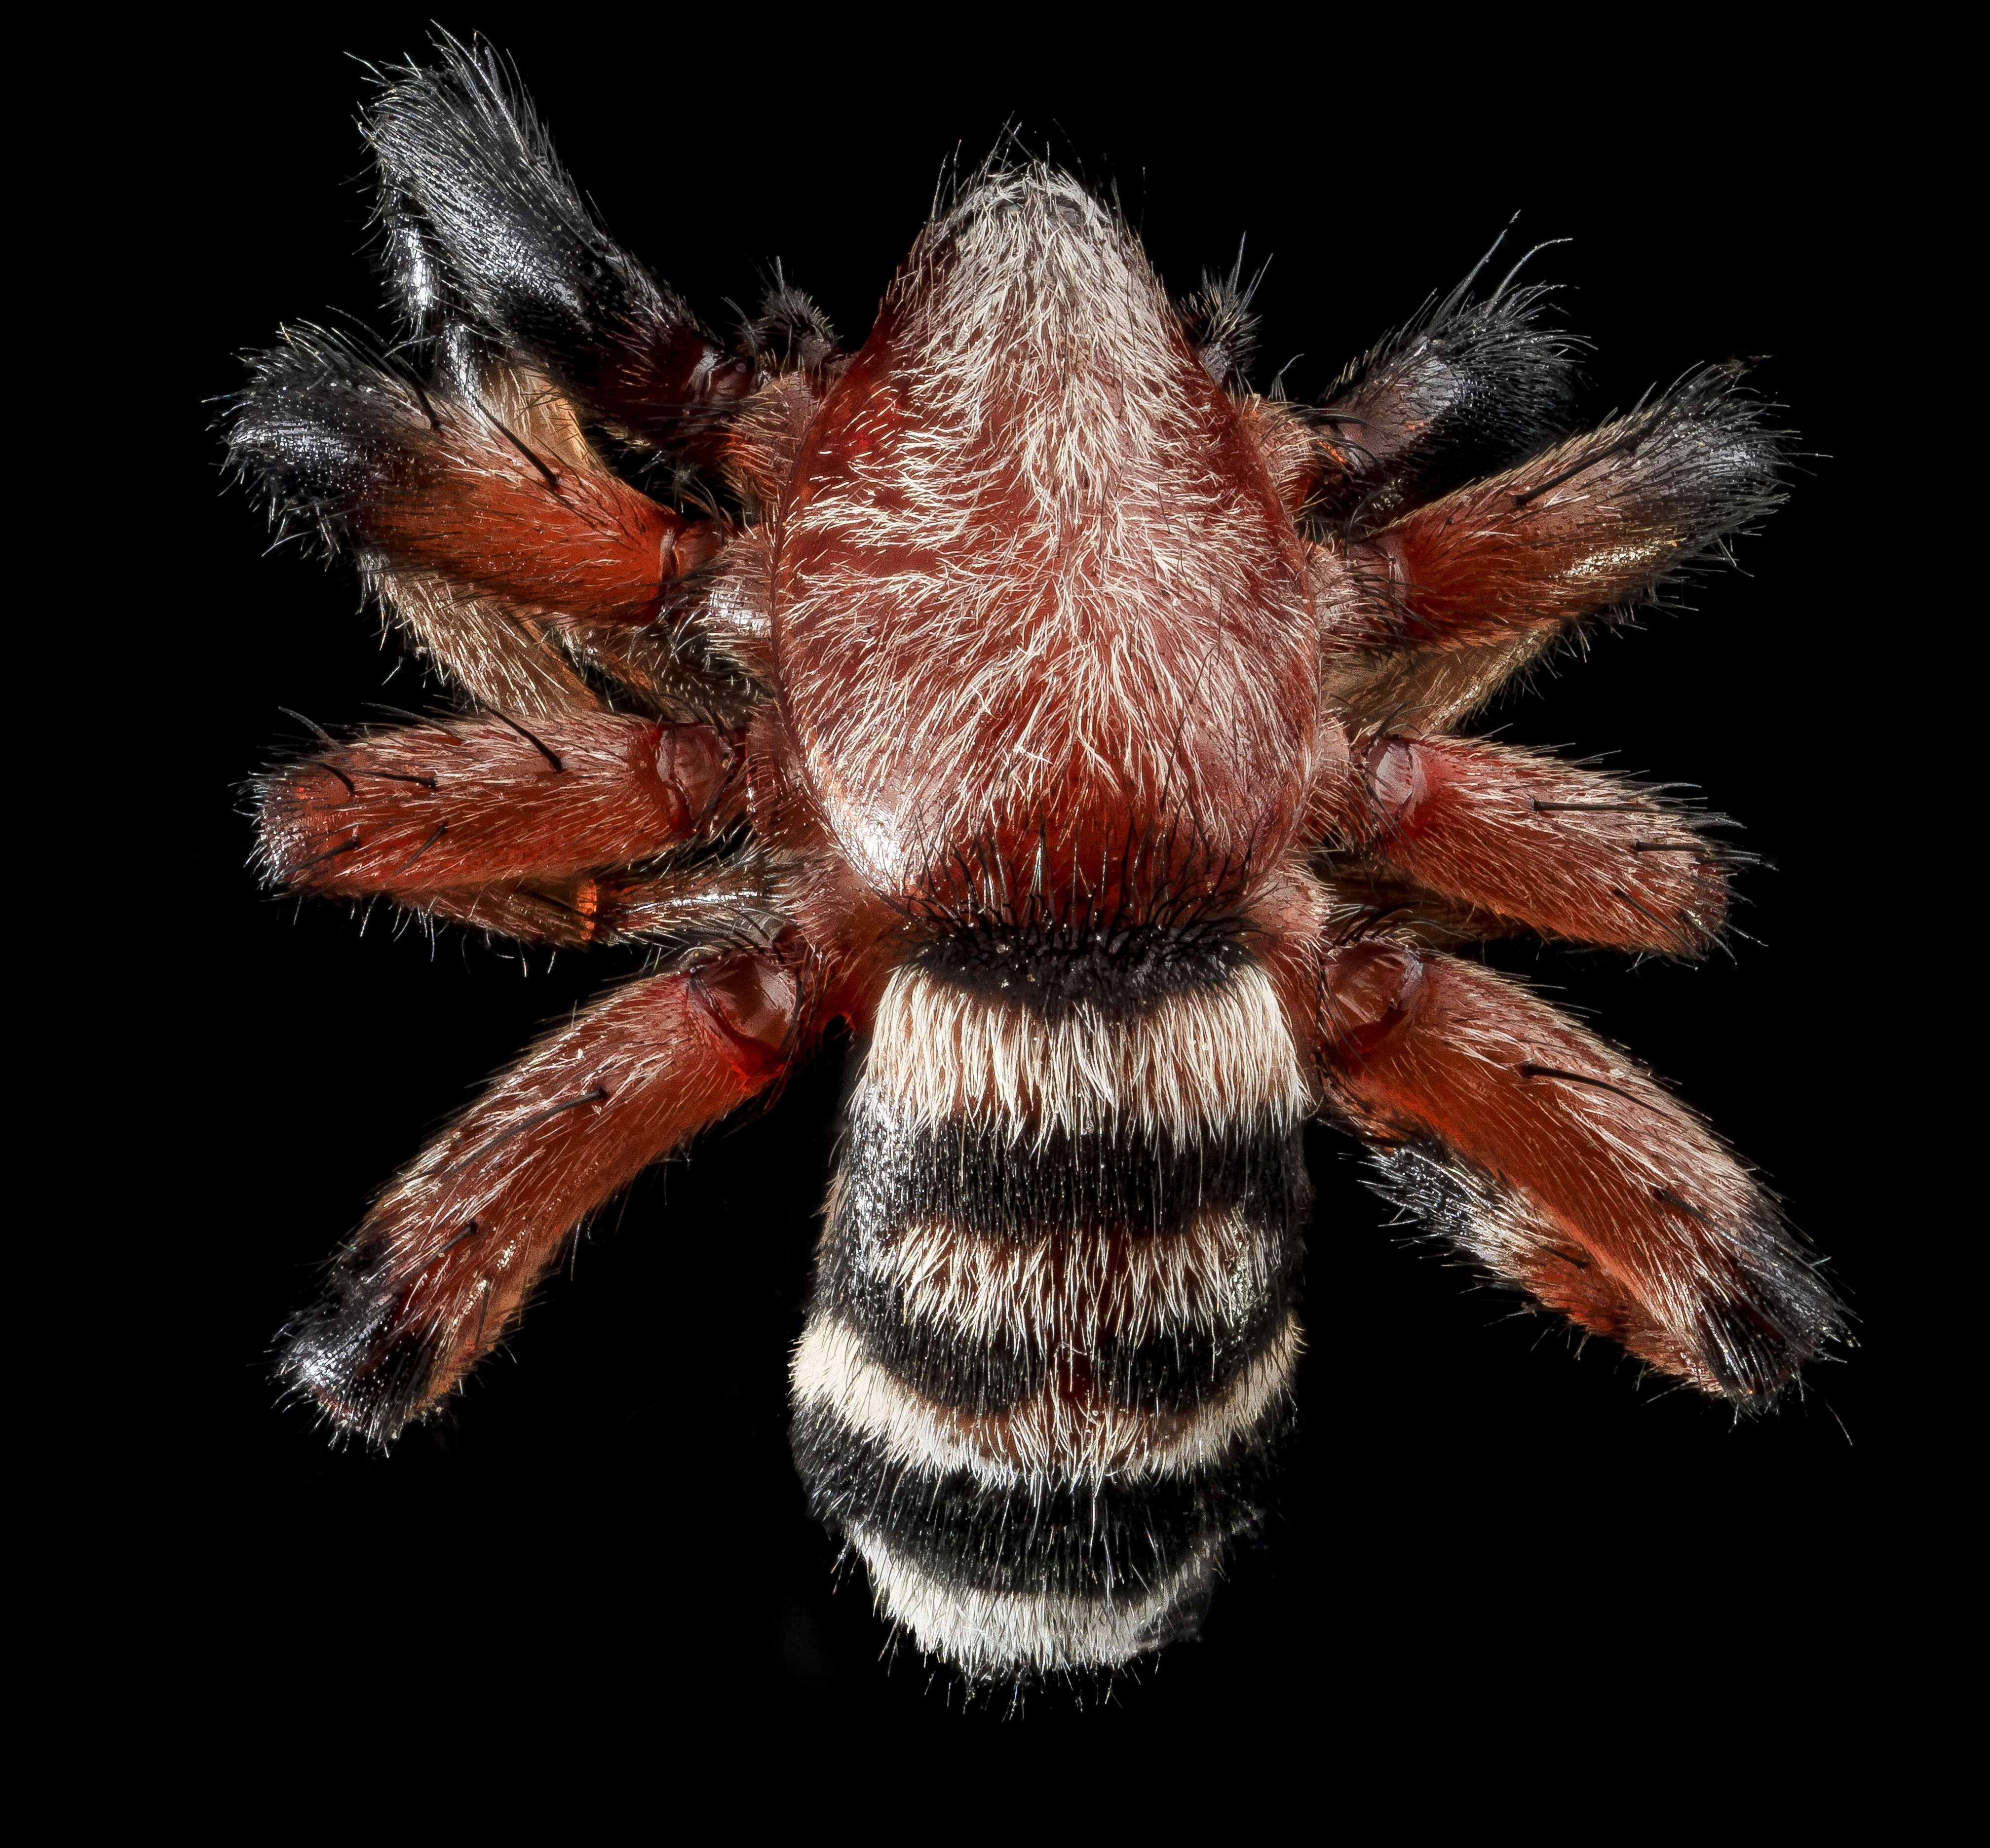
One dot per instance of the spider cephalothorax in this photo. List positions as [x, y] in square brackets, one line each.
[1079, 727]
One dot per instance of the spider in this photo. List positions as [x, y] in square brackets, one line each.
[1084, 730]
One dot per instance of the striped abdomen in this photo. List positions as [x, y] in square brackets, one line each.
[1053, 1335]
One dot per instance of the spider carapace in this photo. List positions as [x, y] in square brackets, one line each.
[1083, 729]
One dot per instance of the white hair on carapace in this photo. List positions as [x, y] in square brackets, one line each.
[1032, 492]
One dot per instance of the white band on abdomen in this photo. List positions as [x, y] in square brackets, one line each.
[1200, 1061]
[1047, 1435]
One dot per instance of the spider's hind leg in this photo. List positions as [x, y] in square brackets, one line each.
[1563, 1169]
[448, 1258]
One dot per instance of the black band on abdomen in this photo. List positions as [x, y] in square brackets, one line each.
[1070, 1538]
[971, 1176]
[1120, 1293]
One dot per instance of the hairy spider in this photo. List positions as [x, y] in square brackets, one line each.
[1081, 728]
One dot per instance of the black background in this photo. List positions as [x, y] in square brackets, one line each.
[607, 1520]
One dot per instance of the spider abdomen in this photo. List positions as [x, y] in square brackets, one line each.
[1052, 1341]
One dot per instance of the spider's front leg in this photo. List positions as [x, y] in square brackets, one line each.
[1425, 618]
[1566, 1172]
[1594, 521]
[489, 823]
[484, 222]
[1468, 385]
[446, 1260]
[423, 480]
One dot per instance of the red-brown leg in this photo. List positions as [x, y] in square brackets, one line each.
[501, 657]
[445, 1261]
[449, 804]
[1597, 521]
[494, 824]
[421, 480]
[1562, 850]
[506, 658]
[535, 834]
[1567, 1173]
[1425, 619]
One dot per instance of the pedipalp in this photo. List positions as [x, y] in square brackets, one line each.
[484, 226]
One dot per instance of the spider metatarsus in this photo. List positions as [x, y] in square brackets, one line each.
[1082, 729]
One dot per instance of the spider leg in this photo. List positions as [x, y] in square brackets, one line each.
[1468, 387]
[688, 663]
[484, 223]
[1562, 1168]
[445, 1261]
[491, 512]
[488, 822]
[503, 659]
[1426, 615]
[1546, 845]
[423, 480]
